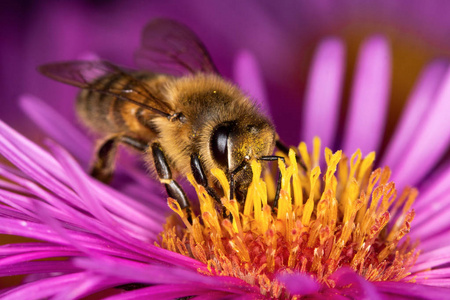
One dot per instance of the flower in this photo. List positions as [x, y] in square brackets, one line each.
[107, 234]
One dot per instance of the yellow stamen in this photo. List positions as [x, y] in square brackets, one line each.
[322, 223]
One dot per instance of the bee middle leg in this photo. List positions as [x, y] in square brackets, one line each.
[103, 166]
[173, 188]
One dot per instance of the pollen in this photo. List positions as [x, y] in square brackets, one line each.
[333, 214]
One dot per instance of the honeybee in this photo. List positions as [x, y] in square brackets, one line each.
[178, 111]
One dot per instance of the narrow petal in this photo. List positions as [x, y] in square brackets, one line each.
[434, 190]
[430, 143]
[434, 223]
[438, 241]
[412, 290]
[354, 286]
[40, 289]
[11, 252]
[87, 286]
[248, 76]
[419, 103]
[432, 259]
[33, 161]
[27, 229]
[369, 98]
[57, 127]
[166, 291]
[147, 226]
[323, 93]
[299, 284]
[14, 260]
[31, 267]
[153, 274]
[431, 274]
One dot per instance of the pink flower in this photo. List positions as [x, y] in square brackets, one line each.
[103, 237]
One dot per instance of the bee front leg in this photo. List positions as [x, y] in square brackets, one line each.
[201, 178]
[174, 190]
[103, 167]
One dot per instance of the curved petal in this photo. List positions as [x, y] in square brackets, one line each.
[418, 104]
[431, 140]
[434, 190]
[412, 290]
[248, 76]
[370, 94]
[169, 292]
[354, 286]
[432, 259]
[161, 274]
[438, 241]
[40, 289]
[299, 284]
[57, 127]
[323, 93]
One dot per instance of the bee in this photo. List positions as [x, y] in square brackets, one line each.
[177, 110]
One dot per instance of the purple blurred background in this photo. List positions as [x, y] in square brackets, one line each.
[282, 37]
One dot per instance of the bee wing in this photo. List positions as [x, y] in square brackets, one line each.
[84, 74]
[170, 47]
[78, 73]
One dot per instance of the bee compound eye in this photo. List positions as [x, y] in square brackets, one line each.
[220, 141]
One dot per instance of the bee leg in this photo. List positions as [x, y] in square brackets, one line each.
[285, 149]
[277, 193]
[201, 178]
[233, 173]
[103, 166]
[174, 190]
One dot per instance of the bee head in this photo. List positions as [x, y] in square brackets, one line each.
[234, 144]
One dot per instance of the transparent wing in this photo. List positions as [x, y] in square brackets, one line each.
[78, 73]
[86, 75]
[172, 48]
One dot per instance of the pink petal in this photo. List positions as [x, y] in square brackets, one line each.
[418, 104]
[299, 284]
[431, 274]
[437, 241]
[323, 93]
[370, 94]
[101, 203]
[412, 290]
[169, 292]
[30, 267]
[431, 140]
[159, 274]
[40, 289]
[350, 284]
[432, 259]
[434, 190]
[57, 127]
[248, 76]
[90, 284]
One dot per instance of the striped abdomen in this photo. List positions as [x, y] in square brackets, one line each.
[105, 113]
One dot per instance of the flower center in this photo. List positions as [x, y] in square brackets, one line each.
[349, 217]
